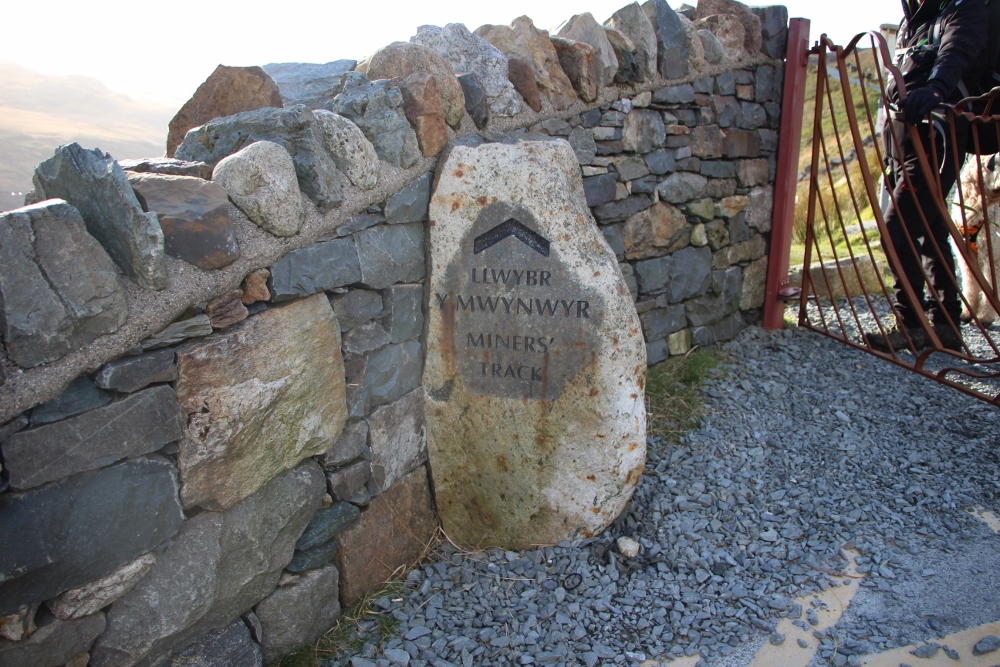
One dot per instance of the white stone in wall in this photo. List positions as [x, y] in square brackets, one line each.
[350, 149]
[261, 181]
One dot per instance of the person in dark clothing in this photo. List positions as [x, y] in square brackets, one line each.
[940, 55]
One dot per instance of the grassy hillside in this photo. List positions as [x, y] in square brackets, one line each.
[40, 112]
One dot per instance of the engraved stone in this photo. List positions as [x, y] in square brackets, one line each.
[535, 360]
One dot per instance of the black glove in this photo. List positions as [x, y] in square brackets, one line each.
[921, 102]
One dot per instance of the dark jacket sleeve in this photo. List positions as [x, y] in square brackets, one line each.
[963, 43]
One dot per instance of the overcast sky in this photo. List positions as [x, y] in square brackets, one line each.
[162, 49]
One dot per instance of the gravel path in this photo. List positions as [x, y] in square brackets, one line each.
[808, 446]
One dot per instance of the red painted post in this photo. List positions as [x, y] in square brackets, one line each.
[789, 141]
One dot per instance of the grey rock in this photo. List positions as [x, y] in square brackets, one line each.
[656, 351]
[140, 424]
[316, 268]
[711, 45]
[391, 254]
[377, 108]
[296, 615]
[326, 524]
[926, 651]
[364, 339]
[356, 223]
[169, 166]
[98, 594]
[661, 322]
[616, 211]
[130, 374]
[93, 183]
[350, 149]
[987, 644]
[774, 29]
[584, 28]
[80, 396]
[232, 646]
[682, 94]
[410, 203]
[350, 446]
[16, 424]
[397, 656]
[58, 287]
[404, 316]
[392, 372]
[582, 141]
[476, 101]
[311, 84]
[671, 39]
[681, 187]
[600, 189]
[357, 307]
[262, 182]
[633, 23]
[753, 115]
[629, 69]
[690, 273]
[645, 185]
[643, 131]
[295, 129]
[227, 560]
[350, 483]
[55, 643]
[724, 329]
[776, 639]
[653, 274]
[725, 84]
[398, 439]
[176, 332]
[630, 168]
[768, 84]
[314, 558]
[660, 161]
[615, 236]
[84, 527]
[718, 168]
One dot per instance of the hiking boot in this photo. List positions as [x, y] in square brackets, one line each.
[895, 339]
[950, 339]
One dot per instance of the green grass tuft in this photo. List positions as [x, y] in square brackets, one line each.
[673, 403]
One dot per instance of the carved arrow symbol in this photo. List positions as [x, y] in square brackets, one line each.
[511, 227]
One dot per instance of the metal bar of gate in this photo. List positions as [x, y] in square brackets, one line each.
[789, 142]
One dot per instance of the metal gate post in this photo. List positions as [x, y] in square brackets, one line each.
[786, 180]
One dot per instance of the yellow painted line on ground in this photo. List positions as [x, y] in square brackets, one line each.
[834, 603]
[991, 519]
[960, 641]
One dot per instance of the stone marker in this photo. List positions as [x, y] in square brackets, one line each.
[83, 528]
[671, 39]
[194, 217]
[280, 402]
[536, 363]
[227, 91]
[93, 183]
[140, 424]
[311, 84]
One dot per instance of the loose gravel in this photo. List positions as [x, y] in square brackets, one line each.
[808, 448]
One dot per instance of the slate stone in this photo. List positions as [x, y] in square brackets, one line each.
[404, 318]
[364, 339]
[725, 329]
[231, 646]
[659, 229]
[326, 524]
[227, 309]
[96, 595]
[227, 91]
[711, 46]
[11, 427]
[629, 71]
[58, 288]
[470, 53]
[619, 210]
[726, 300]
[262, 183]
[682, 94]
[585, 29]
[409, 204]
[358, 398]
[476, 101]
[748, 19]
[630, 167]
[671, 40]
[167, 165]
[579, 62]
[592, 118]
[768, 84]
[653, 274]
[377, 108]
[660, 161]
[613, 234]
[357, 307]
[632, 22]
[727, 110]
[396, 526]
[176, 332]
[350, 483]
[80, 396]
[645, 185]
[600, 189]
[690, 273]
[356, 223]
[228, 561]
[84, 527]
[643, 131]
[725, 84]
[753, 116]
[294, 129]
[741, 143]
[392, 371]
[350, 446]
[55, 643]
[582, 142]
[140, 424]
[718, 169]
[311, 84]
[681, 187]
[316, 268]
[313, 558]
[290, 379]
[194, 217]
[661, 322]
[130, 374]
[390, 254]
[397, 436]
[773, 29]
[297, 615]
[987, 644]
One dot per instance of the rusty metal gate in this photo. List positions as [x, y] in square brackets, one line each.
[849, 257]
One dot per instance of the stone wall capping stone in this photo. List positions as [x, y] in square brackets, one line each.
[152, 312]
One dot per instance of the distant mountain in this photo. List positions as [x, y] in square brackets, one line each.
[40, 112]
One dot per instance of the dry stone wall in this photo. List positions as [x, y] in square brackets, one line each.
[211, 404]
